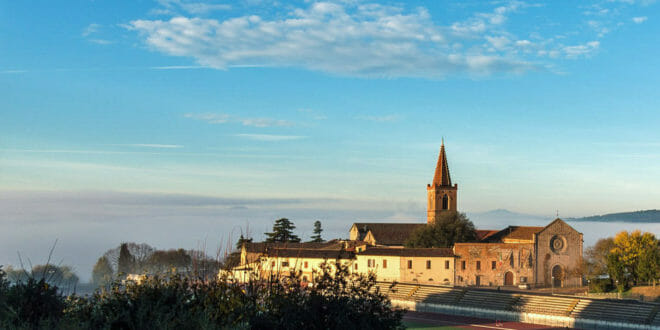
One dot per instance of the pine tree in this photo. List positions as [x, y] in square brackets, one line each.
[282, 232]
[242, 240]
[317, 232]
[125, 261]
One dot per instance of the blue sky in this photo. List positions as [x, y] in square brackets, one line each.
[329, 106]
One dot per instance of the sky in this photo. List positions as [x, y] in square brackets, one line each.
[179, 122]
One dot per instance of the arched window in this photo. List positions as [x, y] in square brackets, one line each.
[445, 202]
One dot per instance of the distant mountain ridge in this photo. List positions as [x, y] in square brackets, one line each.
[645, 216]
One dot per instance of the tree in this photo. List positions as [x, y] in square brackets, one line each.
[242, 240]
[596, 256]
[282, 232]
[317, 232]
[170, 260]
[125, 262]
[139, 251]
[634, 257]
[102, 272]
[451, 227]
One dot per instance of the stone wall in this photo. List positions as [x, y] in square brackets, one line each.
[517, 259]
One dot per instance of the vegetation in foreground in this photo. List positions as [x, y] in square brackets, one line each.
[337, 299]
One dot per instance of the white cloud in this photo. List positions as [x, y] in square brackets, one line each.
[159, 146]
[269, 137]
[172, 6]
[581, 50]
[220, 118]
[366, 40]
[640, 19]
[90, 29]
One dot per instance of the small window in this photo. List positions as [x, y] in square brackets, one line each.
[285, 264]
[463, 265]
[493, 265]
[272, 264]
[384, 263]
[356, 266]
[428, 264]
[446, 264]
[430, 280]
[478, 265]
[306, 264]
[409, 264]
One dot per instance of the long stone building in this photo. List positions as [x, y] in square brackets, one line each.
[516, 255]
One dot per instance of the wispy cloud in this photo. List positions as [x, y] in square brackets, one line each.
[381, 119]
[168, 7]
[581, 50]
[639, 20]
[269, 137]
[219, 118]
[92, 30]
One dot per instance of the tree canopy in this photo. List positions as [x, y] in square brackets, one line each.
[282, 232]
[595, 257]
[102, 274]
[317, 232]
[451, 227]
[634, 257]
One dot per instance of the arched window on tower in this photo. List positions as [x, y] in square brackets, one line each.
[445, 202]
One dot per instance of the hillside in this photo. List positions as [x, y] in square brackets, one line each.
[647, 216]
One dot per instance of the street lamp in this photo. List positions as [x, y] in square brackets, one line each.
[553, 284]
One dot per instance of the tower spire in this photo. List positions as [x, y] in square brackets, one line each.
[442, 177]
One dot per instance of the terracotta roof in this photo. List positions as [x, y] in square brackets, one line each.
[406, 252]
[262, 247]
[514, 232]
[388, 233]
[310, 253]
[485, 233]
[442, 177]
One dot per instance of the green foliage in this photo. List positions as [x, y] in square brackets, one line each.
[600, 285]
[317, 232]
[282, 232]
[102, 272]
[337, 299]
[451, 227]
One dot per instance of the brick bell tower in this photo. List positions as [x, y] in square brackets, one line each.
[441, 194]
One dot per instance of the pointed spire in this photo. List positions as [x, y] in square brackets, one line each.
[441, 177]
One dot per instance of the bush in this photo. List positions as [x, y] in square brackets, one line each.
[337, 299]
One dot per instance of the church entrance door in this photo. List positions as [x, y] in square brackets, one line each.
[508, 278]
[477, 280]
[557, 276]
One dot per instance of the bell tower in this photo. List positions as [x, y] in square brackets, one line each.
[441, 194]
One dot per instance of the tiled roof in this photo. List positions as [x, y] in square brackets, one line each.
[310, 253]
[514, 232]
[261, 247]
[484, 233]
[406, 252]
[388, 233]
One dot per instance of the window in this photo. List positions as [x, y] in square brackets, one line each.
[478, 265]
[463, 265]
[445, 202]
[384, 263]
[272, 264]
[409, 264]
[493, 264]
[446, 264]
[428, 264]
[356, 266]
[371, 263]
[304, 278]
[285, 264]
[306, 264]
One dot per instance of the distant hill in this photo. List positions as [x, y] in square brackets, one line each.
[647, 216]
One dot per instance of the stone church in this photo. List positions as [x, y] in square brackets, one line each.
[516, 255]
